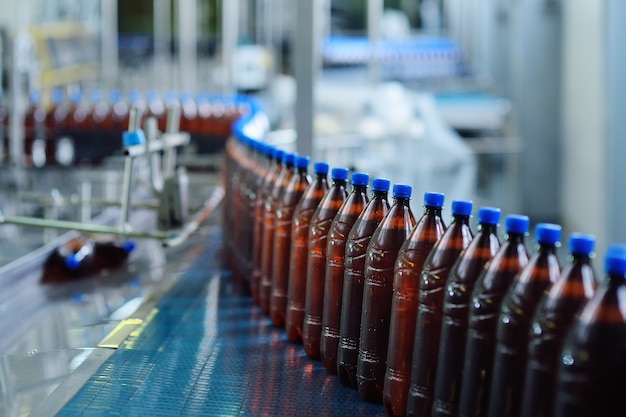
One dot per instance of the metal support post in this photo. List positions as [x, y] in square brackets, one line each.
[306, 63]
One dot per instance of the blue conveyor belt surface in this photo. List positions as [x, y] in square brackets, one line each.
[207, 350]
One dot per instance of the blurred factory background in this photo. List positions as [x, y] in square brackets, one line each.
[512, 103]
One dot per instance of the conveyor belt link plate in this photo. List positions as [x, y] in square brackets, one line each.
[206, 350]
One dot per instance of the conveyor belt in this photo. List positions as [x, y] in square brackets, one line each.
[207, 350]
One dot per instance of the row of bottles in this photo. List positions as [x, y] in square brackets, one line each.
[424, 317]
[95, 123]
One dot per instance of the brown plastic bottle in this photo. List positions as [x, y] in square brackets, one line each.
[354, 280]
[119, 112]
[591, 377]
[282, 240]
[155, 107]
[80, 258]
[335, 267]
[378, 292]
[264, 189]
[408, 268]
[487, 297]
[518, 308]
[236, 202]
[430, 308]
[99, 112]
[300, 251]
[269, 223]
[316, 262]
[248, 163]
[229, 178]
[456, 305]
[35, 146]
[553, 319]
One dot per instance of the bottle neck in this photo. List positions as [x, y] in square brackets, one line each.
[616, 279]
[320, 177]
[359, 189]
[380, 195]
[488, 228]
[302, 171]
[432, 210]
[548, 248]
[515, 238]
[461, 219]
[339, 183]
[401, 201]
[581, 258]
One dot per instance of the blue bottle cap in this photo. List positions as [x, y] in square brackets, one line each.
[57, 95]
[35, 96]
[76, 96]
[115, 96]
[169, 97]
[462, 208]
[134, 96]
[433, 199]
[152, 95]
[72, 262]
[615, 260]
[360, 178]
[581, 244]
[186, 97]
[381, 184]
[402, 191]
[269, 150]
[547, 233]
[289, 158]
[321, 168]
[279, 154]
[339, 174]
[517, 223]
[488, 215]
[202, 97]
[128, 246]
[95, 96]
[302, 162]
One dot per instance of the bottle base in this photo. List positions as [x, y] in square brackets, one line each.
[347, 375]
[370, 390]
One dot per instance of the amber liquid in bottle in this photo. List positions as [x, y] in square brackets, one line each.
[299, 254]
[516, 314]
[487, 297]
[377, 295]
[411, 257]
[353, 283]
[257, 244]
[269, 216]
[236, 265]
[553, 319]
[282, 241]
[456, 305]
[316, 263]
[245, 194]
[335, 268]
[429, 309]
[591, 377]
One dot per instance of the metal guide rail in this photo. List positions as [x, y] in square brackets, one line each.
[168, 183]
